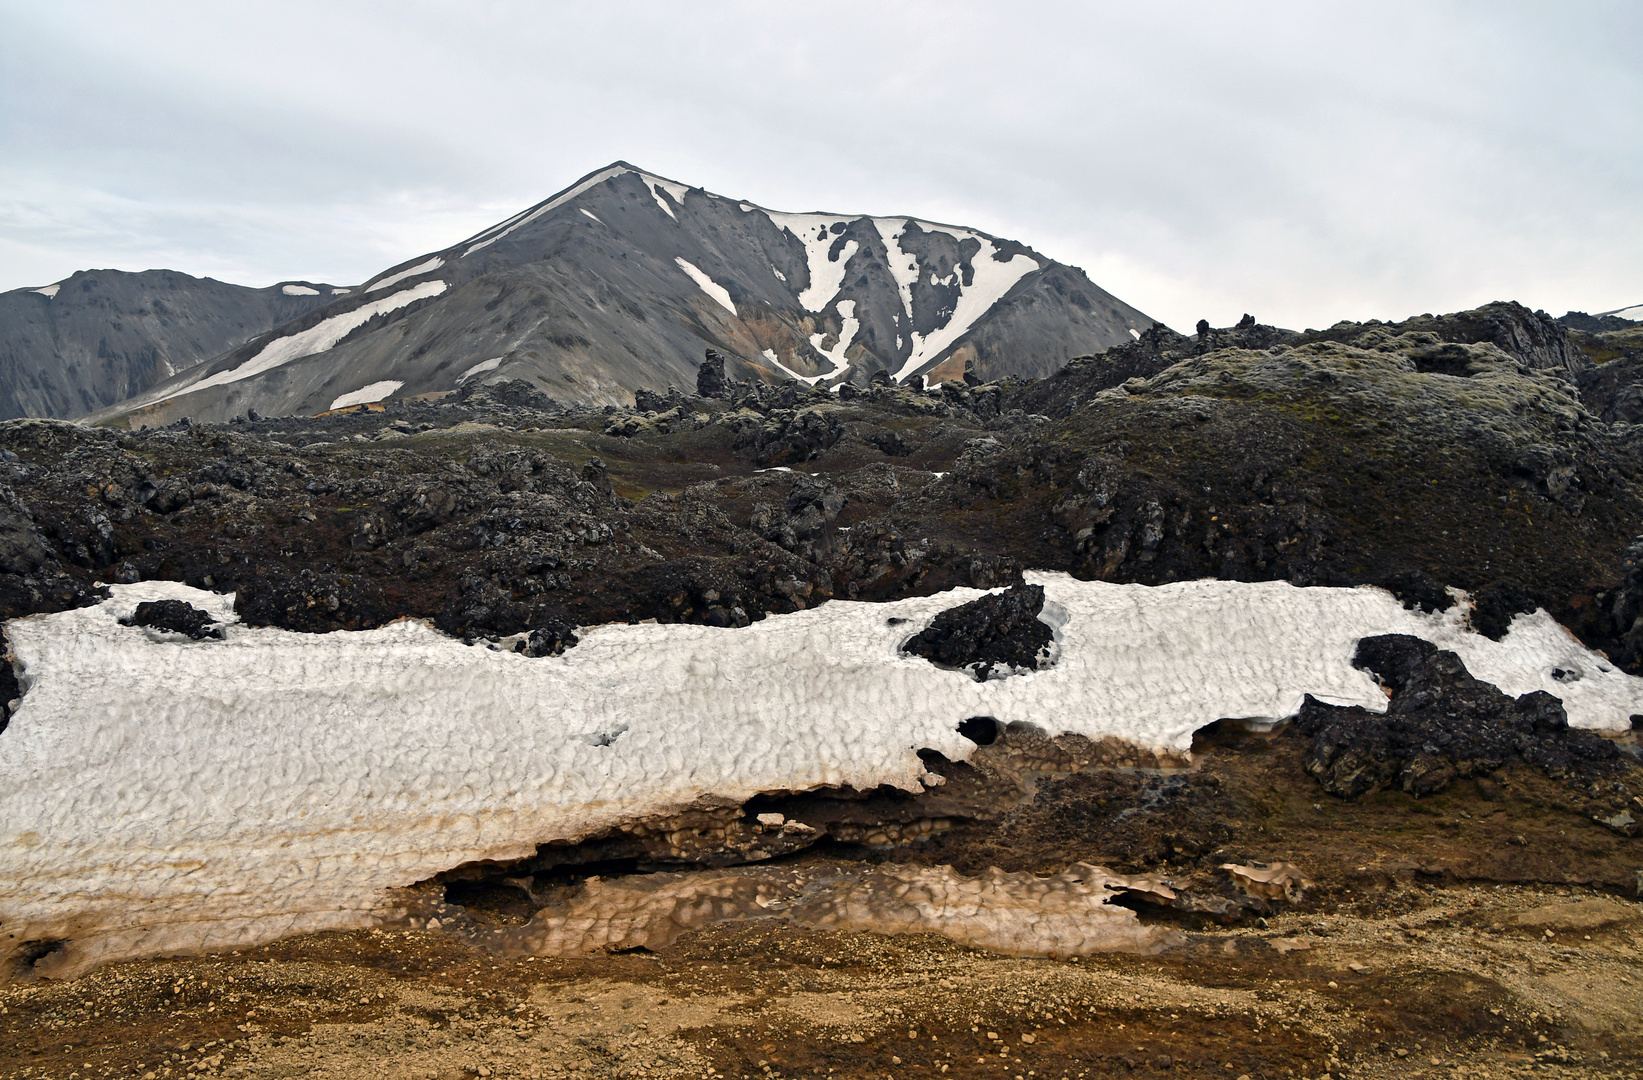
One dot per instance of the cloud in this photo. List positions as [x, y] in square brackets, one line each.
[1302, 162]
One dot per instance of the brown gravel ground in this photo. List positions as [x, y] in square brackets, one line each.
[1491, 931]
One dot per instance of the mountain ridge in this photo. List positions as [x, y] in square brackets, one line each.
[619, 282]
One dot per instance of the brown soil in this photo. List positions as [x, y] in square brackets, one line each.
[1418, 951]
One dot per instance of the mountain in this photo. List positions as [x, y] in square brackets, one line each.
[619, 282]
[99, 336]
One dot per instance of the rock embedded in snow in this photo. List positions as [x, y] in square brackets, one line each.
[999, 630]
[176, 616]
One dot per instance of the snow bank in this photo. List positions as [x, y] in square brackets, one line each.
[708, 285]
[298, 290]
[367, 394]
[426, 266]
[315, 339]
[166, 795]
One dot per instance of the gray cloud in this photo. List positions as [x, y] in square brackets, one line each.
[1304, 162]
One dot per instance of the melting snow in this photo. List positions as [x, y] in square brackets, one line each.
[420, 268]
[847, 333]
[809, 380]
[479, 369]
[989, 281]
[709, 286]
[164, 795]
[315, 339]
[367, 394]
[815, 232]
[50, 291]
[298, 290]
[657, 185]
[591, 214]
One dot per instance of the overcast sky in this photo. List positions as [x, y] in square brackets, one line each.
[1306, 162]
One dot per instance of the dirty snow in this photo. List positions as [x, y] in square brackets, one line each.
[815, 232]
[298, 290]
[50, 291]
[709, 286]
[479, 369]
[160, 795]
[315, 339]
[423, 267]
[367, 394]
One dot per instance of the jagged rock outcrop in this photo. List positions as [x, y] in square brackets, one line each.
[1440, 725]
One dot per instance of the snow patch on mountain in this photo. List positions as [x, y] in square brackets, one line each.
[365, 395]
[298, 290]
[591, 214]
[708, 285]
[847, 333]
[50, 291]
[165, 795]
[1634, 313]
[827, 268]
[524, 217]
[394, 279]
[479, 369]
[315, 339]
[657, 185]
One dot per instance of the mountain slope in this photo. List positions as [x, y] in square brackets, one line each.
[619, 282]
[99, 336]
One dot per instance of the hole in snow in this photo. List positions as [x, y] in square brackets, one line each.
[981, 730]
[606, 738]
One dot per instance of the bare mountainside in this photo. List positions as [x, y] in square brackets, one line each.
[98, 336]
[617, 284]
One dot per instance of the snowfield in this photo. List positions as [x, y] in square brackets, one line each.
[160, 795]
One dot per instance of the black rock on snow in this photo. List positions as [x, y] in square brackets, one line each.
[1441, 725]
[998, 629]
[177, 616]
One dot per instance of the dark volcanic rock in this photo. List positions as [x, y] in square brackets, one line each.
[1440, 725]
[1002, 628]
[710, 377]
[550, 640]
[176, 616]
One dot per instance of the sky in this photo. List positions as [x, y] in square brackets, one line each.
[1304, 162]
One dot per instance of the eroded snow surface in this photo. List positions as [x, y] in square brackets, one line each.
[161, 795]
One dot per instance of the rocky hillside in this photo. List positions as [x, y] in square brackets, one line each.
[618, 283]
[101, 336]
